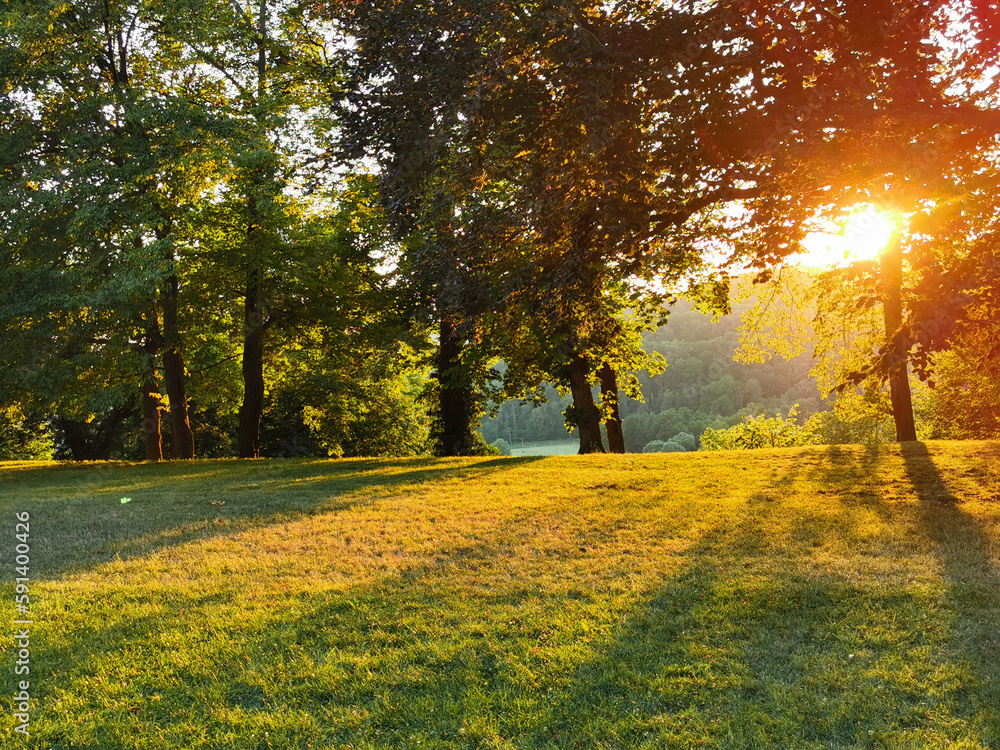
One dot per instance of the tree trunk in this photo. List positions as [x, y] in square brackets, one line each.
[613, 423]
[899, 383]
[151, 424]
[253, 368]
[152, 436]
[252, 408]
[586, 415]
[455, 399]
[173, 374]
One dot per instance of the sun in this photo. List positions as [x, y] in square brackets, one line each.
[868, 232]
[863, 235]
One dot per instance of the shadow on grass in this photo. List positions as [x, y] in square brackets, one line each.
[737, 652]
[743, 650]
[85, 515]
[735, 649]
[963, 546]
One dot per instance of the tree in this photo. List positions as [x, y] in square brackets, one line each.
[584, 121]
[407, 70]
[257, 72]
[351, 358]
[95, 181]
[891, 282]
[898, 88]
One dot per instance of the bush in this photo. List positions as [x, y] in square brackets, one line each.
[23, 439]
[503, 446]
[857, 417]
[760, 431]
[663, 446]
[685, 439]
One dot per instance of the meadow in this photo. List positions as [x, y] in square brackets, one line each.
[843, 596]
[546, 448]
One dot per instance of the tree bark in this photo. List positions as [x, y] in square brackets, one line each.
[455, 398]
[182, 437]
[252, 407]
[152, 436]
[609, 395]
[899, 383]
[151, 424]
[585, 412]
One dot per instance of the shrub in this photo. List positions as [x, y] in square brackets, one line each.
[760, 431]
[22, 438]
[685, 439]
[503, 446]
[663, 446]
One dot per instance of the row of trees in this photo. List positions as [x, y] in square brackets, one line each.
[173, 228]
[181, 193]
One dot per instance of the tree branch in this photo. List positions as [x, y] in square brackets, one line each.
[675, 218]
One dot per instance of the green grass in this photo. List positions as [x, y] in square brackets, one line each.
[803, 598]
[547, 448]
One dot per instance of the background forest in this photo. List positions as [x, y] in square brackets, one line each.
[299, 228]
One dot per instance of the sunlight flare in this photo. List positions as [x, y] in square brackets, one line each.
[863, 235]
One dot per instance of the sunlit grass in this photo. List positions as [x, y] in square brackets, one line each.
[818, 597]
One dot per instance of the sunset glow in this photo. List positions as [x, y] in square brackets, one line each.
[863, 236]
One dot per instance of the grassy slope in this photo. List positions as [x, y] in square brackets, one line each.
[820, 597]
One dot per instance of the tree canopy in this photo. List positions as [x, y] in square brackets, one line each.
[367, 205]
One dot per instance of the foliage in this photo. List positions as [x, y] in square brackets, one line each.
[376, 417]
[761, 431]
[660, 446]
[23, 439]
[502, 445]
[921, 138]
[964, 401]
[551, 177]
[858, 416]
[560, 155]
[685, 440]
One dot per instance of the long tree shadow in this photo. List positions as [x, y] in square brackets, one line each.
[969, 560]
[85, 515]
[390, 662]
[736, 654]
[782, 633]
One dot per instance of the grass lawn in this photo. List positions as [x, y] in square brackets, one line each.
[822, 597]
[547, 448]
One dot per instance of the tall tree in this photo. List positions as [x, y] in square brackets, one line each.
[257, 66]
[94, 146]
[583, 115]
[889, 104]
